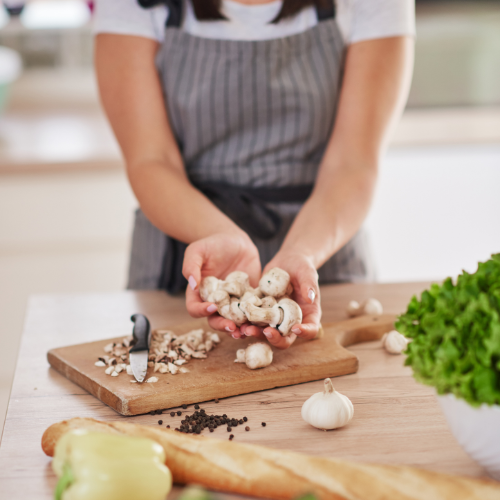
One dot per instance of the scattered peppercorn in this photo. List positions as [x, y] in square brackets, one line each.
[159, 412]
[196, 407]
[184, 407]
[172, 413]
[245, 419]
[229, 429]
[152, 412]
[247, 428]
[240, 421]
[211, 429]
[179, 413]
[263, 424]
[160, 422]
[168, 426]
[231, 437]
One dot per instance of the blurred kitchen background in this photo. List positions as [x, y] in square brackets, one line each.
[66, 208]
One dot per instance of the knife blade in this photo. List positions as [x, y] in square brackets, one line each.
[139, 353]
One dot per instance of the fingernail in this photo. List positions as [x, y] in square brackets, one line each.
[269, 335]
[211, 308]
[230, 330]
[192, 283]
[311, 295]
[296, 330]
[235, 336]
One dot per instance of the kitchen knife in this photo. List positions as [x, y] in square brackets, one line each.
[139, 353]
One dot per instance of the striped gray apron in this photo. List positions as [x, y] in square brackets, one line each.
[252, 120]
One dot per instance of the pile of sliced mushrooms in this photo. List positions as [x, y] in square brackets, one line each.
[168, 352]
[267, 305]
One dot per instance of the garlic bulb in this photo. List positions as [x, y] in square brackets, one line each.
[328, 409]
[394, 342]
[258, 355]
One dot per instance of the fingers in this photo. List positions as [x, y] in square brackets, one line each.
[195, 305]
[191, 267]
[250, 330]
[308, 290]
[306, 331]
[275, 338]
[224, 325]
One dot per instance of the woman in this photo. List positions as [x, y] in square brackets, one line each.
[252, 131]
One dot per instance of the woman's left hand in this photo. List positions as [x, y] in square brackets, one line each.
[304, 279]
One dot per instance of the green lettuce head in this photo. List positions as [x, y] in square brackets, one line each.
[456, 335]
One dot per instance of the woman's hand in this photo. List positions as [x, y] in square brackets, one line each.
[304, 279]
[218, 255]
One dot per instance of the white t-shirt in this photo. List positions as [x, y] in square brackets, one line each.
[357, 19]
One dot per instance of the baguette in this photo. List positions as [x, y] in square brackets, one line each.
[282, 475]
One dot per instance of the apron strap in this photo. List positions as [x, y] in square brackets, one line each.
[325, 13]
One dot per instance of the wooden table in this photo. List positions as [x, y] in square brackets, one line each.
[395, 420]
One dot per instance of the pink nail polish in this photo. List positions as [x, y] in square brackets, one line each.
[229, 330]
[211, 308]
[311, 295]
[192, 283]
[235, 336]
[296, 330]
[269, 335]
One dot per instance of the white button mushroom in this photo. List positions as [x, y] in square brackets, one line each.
[276, 283]
[258, 355]
[394, 342]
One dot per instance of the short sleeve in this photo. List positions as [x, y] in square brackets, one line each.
[127, 17]
[370, 19]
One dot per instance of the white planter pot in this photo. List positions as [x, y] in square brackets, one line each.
[476, 429]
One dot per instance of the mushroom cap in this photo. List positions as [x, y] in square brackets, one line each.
[258, 355]
[373, 306]
[394, 342]
[275, 282]
[207, 287]
[258, 315]
[233, 312]
[292, 315]
[236, 283]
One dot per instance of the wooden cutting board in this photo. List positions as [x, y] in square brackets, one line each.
[219, 376]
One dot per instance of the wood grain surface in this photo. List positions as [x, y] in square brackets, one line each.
[396, 420]
[218, 376]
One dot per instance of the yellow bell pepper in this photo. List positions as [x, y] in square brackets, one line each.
[95, 466]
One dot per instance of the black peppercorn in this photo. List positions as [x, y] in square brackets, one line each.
[172, 413]
[179, 413]
[231, 437]
[263, 424]
[245, 419]
[216, 400]
[211, 429]
[196, 407]
[184, 407]
[229, 429]
[247, 428]
[160, 422]
[240, 421]
[168, 426]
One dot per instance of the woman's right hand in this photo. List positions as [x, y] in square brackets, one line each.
[218, 255]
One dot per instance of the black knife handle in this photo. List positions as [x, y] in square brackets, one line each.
[141, 333]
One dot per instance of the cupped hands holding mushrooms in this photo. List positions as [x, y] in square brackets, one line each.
[225, 285]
